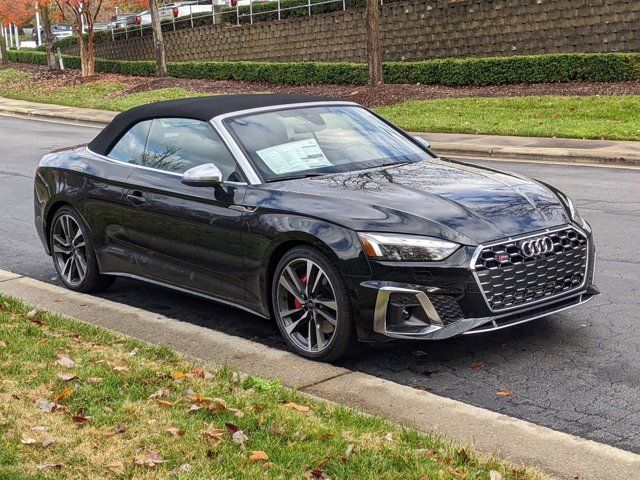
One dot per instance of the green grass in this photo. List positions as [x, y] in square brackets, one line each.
[125, 423]
[606, 117]
[100, 95]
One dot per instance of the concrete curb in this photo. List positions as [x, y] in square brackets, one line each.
[43, 111]
[563, 155]
[556, 453]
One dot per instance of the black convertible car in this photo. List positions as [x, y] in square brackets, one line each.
[315, 212]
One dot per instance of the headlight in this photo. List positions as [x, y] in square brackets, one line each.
[575, 214]
[386, 246]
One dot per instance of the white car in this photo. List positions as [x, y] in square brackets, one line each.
[179, 9]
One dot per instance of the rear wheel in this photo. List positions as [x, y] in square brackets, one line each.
[312, 306]
[73, 253]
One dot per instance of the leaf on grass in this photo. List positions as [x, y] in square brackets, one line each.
[231, 428]
[166, 403]
[151, 459]
[200, 373]
[504, 392]
[134, 352]
[49, 466]
[185, 467]
[316, 473]
[80, 418]
[66, 377]
[235, 378]
[239, 437]
[428, 452]
[477, 365]
[217, 406]
[32, 314]
[178, 375]
[64, 360]
[27, 440]
[495, 475]
[3, 344]
[197, 398]
[176, 432]
[388, 437]
[121, 369]
[296, 407]
[194, 408]
[45, 405]
[47, 442]
[214, 434]
[66, 393]
[349, 450]
[236, 412]
[163, 392]
[95, 379]
[39, 428]
[258, 456]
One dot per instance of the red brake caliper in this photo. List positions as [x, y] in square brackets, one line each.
[296, 302]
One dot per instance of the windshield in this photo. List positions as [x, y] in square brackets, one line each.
[299, 142]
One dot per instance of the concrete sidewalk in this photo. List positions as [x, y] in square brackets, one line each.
[486, 146]
[558, 454]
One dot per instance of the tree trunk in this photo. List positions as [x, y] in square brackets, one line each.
[48, 38]
[158, 40]
[3, 48]
[374, 52]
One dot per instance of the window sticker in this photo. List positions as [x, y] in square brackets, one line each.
[294, 157]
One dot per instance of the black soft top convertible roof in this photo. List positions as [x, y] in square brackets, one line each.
[197, 108]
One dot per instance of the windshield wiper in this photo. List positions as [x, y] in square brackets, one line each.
[296, 177]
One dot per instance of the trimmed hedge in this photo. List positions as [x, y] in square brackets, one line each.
[593, 67]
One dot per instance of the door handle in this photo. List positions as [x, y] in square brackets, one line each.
[136, 198]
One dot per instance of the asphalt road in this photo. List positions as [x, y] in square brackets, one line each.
[577, 371]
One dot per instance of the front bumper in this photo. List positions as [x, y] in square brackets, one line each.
[436, 329]
[445, 299]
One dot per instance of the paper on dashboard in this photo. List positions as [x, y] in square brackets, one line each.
[294, 156]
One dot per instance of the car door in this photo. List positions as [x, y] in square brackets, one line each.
[183, 235]
[104, 199]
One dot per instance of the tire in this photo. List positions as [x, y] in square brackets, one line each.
[68, 248]
[316, 281]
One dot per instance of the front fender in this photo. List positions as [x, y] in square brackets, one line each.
[268, 235]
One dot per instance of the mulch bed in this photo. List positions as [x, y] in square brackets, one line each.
[368, 96]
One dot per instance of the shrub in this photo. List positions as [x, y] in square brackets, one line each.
[594, 67]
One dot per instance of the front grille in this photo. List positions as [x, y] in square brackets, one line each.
[447, 307]
[508, 279]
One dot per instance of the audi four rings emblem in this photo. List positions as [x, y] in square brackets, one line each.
[535, 247]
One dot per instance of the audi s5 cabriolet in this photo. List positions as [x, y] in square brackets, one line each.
[314, 212]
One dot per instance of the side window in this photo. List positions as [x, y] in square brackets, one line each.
[130, 147]
[178, 144]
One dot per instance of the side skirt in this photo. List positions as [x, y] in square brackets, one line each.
[187, 291]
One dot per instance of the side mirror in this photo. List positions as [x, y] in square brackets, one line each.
[207, 175]
[423, 141]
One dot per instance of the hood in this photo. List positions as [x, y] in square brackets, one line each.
[451, 200]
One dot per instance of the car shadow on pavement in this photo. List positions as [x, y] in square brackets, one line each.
[381, 359]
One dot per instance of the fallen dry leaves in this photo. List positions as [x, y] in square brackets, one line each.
[258, 456]
[176, 432]
[297, 408]
[504, 392]
[477, 366]
[150, 459]
[64, 360]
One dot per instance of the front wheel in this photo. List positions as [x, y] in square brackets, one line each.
[311, 305]
[73, 253]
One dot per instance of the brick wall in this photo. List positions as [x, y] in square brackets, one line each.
[411, 30]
